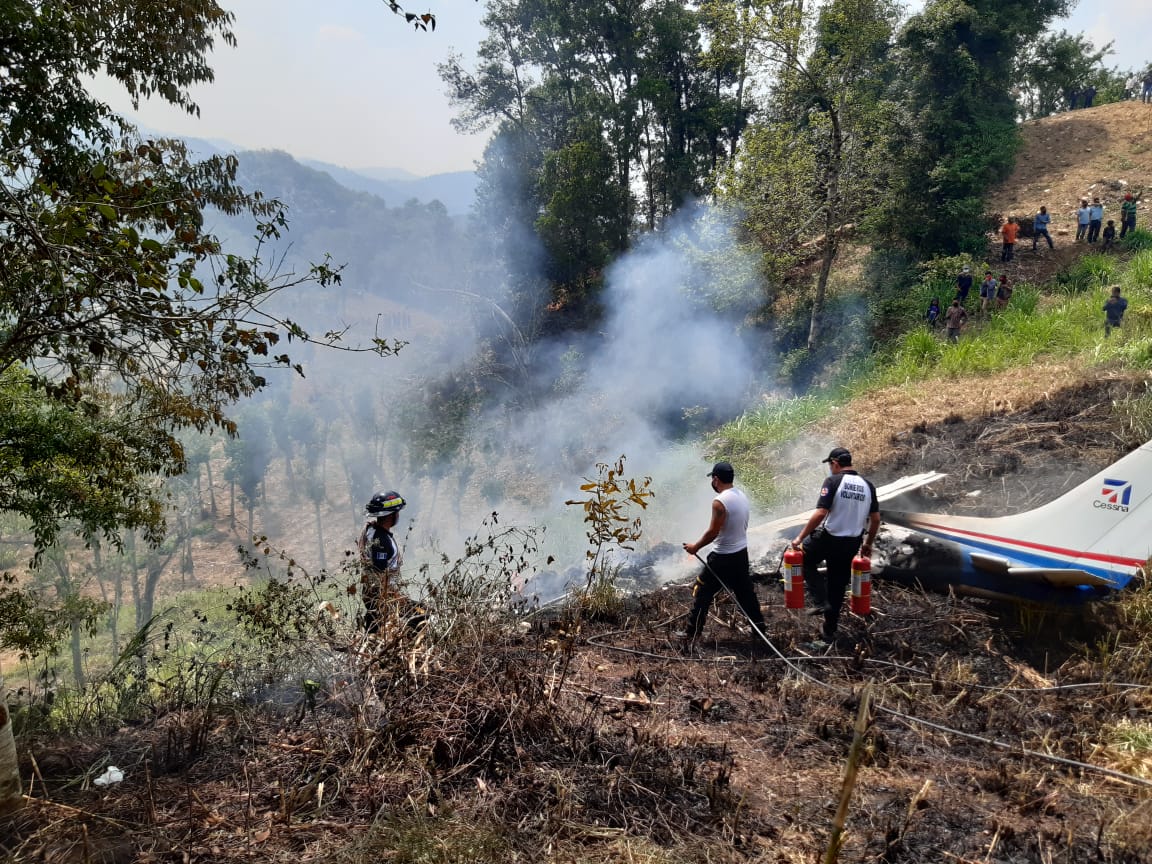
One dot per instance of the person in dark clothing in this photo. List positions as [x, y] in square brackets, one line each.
[1127, 215]
[1109, 236]
[1088, 94]
[727, 563]
[1040, 223]
[933, 313]
[1114, 308]
[380, 557]
[847, 512]
[1095, 219]
[964, 284]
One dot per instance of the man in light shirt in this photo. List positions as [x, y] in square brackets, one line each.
[727, 563]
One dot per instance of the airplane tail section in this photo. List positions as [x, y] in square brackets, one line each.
[1098, 534]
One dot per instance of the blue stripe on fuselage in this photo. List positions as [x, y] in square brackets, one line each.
[1028, 559]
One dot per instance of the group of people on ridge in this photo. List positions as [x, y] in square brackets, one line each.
[1090, 226]
[994, 294]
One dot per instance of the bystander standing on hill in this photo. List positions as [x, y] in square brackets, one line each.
[932, 316]
[1114, 308]
[1003, 292]
[1109, 236]
[1040, 224]
[1082, 217]
[1095, 219]
[987, 291]
[954, 318]
[964, 283]
[1127, 215]
[1146, 92]
[1008, 232]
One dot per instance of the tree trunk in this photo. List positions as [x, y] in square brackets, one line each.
[10, 791]
[319, 535]
[134, 568]
[817, 322]
[77, 654]
[211, 487]
[832, 225]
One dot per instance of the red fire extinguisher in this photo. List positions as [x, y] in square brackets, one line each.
[861, 602]
[794, 578]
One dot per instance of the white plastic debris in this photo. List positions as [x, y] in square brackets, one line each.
[112, 775]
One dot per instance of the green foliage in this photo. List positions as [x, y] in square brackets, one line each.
[1137, 241]
[959, 133]
[1056, 66]
[606, 115]
[1137, 275]
[112, 283]
[1087, 273]
[585, 219]
[34, 626]
[606, 511]
[815, 155]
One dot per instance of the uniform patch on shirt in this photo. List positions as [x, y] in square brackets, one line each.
[824, 491]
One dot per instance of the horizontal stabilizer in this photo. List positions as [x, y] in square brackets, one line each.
[1057, 577]
[788, 524]
[906, 484]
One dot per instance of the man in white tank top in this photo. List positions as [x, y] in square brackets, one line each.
[847, 512]
[727, 565]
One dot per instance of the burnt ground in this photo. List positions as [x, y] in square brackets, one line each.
[998, 734]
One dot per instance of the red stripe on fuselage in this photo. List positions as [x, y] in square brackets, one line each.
[1072, 553]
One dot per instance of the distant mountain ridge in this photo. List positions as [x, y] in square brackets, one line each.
[456, 190]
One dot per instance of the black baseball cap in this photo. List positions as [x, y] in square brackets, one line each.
[723, 471]
[840, 456]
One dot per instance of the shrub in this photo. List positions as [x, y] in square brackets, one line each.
[1087, 273]
[1139, 240]
[1138, 275]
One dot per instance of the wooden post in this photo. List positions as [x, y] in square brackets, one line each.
[863, 718]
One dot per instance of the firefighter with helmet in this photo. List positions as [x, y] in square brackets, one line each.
[380, 556]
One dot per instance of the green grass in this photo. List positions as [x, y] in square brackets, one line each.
[1088, 273]
[1133, 737]
[1036, 327]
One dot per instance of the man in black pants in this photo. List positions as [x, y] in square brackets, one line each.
[833, 533]
[728, 561]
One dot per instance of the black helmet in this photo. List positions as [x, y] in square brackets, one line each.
[383, 503]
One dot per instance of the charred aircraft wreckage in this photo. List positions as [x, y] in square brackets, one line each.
[1088, 543]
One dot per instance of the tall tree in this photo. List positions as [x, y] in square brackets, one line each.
[122, 320]
[811, 165]
[622, 88]
[958, 134]
[1056, 67]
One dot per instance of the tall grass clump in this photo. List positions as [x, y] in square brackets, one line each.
[774, 422]
[1139, 240]
[1137, 275]
[1087, 273]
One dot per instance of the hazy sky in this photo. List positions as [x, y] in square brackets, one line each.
[346, 81]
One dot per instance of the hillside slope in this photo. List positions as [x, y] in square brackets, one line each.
[1000, 737]
[1105, 151]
